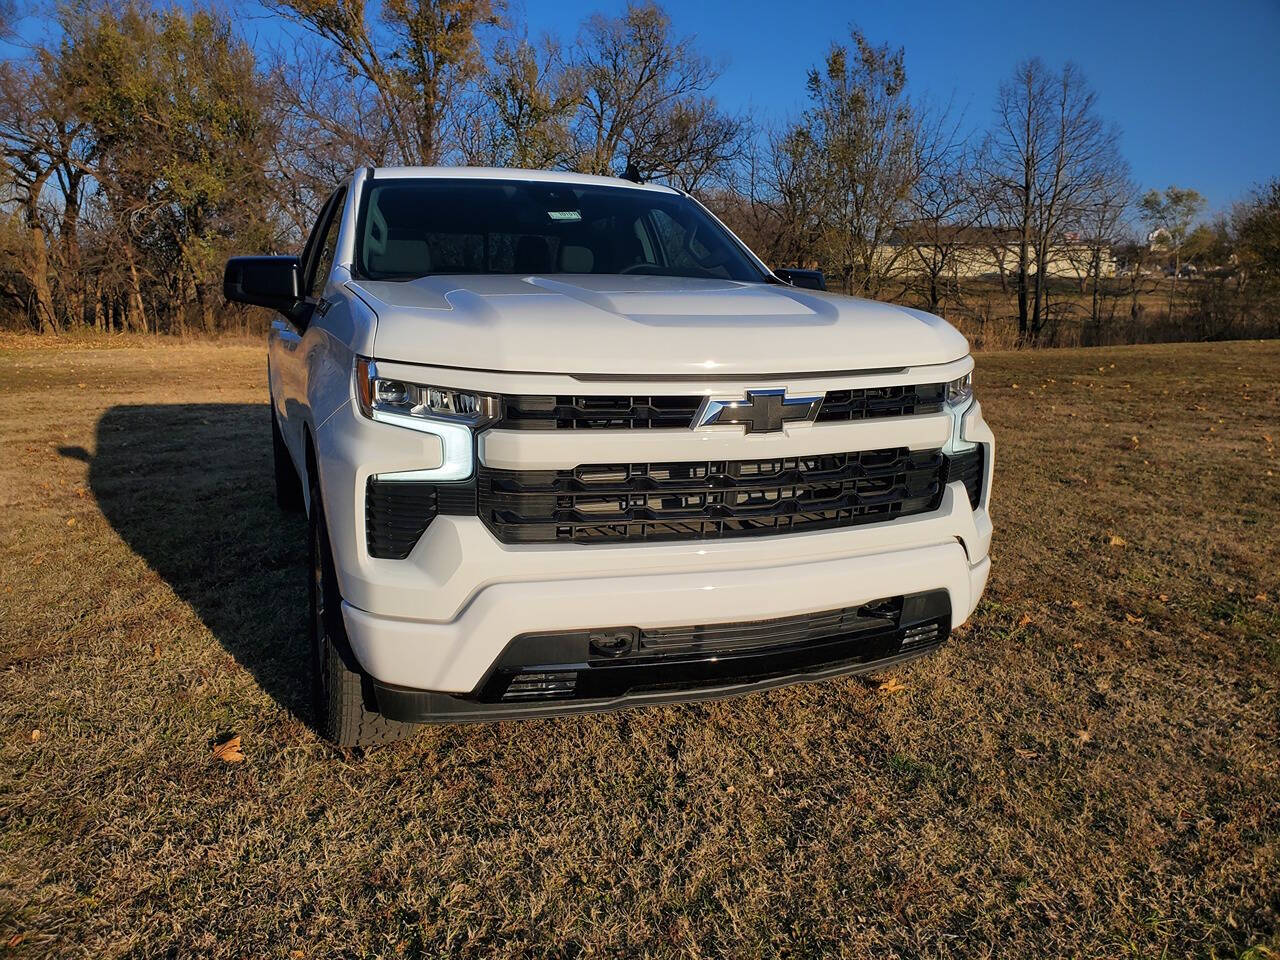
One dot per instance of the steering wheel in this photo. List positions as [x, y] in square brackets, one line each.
[637, 267]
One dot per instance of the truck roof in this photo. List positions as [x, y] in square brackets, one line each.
[510, 173]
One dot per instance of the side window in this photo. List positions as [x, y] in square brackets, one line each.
[318, 270]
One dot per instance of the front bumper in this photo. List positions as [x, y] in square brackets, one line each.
[775, 577]
[430, 628]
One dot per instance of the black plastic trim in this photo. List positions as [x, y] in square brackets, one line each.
[640, 681]
[698, 500]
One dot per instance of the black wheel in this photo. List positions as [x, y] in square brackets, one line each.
[288, 486]
[338, 702]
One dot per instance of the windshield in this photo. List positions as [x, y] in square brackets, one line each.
[414, 228]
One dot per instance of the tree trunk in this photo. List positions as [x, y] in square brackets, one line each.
[38, 270]
[206, 306]
[135, 313]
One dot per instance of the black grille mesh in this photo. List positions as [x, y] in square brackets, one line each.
[708, 499]
[396, 513]
[643, 411]
[968, 467]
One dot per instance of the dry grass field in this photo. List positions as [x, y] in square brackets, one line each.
[1090, 768]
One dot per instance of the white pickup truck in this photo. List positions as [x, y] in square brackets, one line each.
[567, 445]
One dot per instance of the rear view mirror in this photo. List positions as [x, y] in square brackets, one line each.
[809, 279]
[263, 281]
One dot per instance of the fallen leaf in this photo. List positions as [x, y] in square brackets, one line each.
[1132, 619]
[1026, 619]
[1164, 598]
[35, 736]
[229, 752]
[1117, 541]
[1261, 598]
[892, 685]
[71, 521]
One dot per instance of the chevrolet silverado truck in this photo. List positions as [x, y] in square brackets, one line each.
[565, 444]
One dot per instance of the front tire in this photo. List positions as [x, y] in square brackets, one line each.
[338, 701]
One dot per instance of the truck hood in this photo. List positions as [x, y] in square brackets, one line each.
[645, 326]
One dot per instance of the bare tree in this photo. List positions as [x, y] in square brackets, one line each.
[1102, 224]
[863, 131]
[946, 210]
[521, 115]
[414, 57]
[645, 102]
[39, 130]
[1172, 212]
[1043, 159]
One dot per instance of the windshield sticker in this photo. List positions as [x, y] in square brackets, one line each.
[564, 214]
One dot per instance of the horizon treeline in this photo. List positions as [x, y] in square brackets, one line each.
[143, 145]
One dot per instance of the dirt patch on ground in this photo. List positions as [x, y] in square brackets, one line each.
[1091, 767]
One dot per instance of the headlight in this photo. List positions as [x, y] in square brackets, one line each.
[381, 395]
[960, 391]
[452, 415]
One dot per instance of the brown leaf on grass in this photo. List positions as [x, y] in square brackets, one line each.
[892, 685]
[1261, 598]
[71, 521]
[1116, 541]
[1026, 619]
[229, 751]
[1132, 619]
[35, 736]
[1164, 598]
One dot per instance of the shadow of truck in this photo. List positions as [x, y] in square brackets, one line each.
[189, 488]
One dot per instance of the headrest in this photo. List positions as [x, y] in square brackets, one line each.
[576, 259]
[403, 256]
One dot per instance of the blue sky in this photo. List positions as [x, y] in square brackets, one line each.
[1193, 87]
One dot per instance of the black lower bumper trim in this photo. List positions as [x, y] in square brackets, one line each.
[592, 685]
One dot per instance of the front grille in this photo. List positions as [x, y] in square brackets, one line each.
[647, 412]
[968, 468]
[708, 499]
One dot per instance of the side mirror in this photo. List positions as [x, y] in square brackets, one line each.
[809, 279]
[273, 282]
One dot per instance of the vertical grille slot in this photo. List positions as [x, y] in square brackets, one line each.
[396, 514]
[968, 467]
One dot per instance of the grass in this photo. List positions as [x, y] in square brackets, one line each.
[1090, 768]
